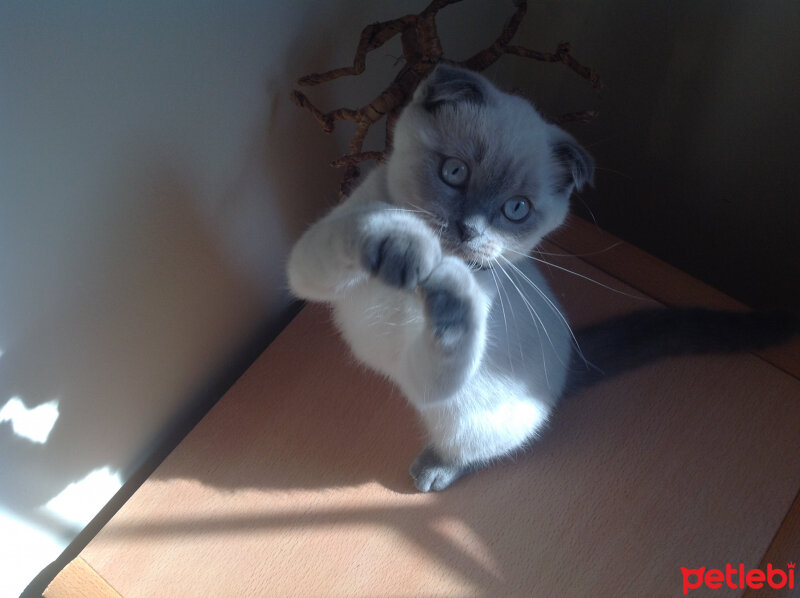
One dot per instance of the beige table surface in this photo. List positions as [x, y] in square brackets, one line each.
[296, 483]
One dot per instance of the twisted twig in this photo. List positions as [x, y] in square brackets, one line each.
[422, 50]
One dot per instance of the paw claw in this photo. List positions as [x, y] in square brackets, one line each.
[449, 314]
[450, 301]
[400, 254]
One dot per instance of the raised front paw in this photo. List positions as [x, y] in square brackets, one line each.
[453, 301]
[399, 249]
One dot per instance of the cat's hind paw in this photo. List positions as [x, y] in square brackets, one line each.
[430, 472]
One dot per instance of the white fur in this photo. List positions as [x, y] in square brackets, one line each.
[485, 385]
[478, 402]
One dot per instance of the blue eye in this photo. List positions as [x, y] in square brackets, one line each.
[454, 172]
[517, 209]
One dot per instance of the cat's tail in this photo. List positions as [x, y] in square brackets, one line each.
[636, 339]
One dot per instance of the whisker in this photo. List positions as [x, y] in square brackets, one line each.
[579, 275]
[405, 210]
[586, 206]
[587, 254]
[552, 306]
[612, 171]
[505, 320]
[431, 216]
[536, 318]
[420, 208]
[567, 164]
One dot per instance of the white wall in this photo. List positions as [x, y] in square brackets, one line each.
[148, 162]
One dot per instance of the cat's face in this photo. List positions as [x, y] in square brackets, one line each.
[483, 167]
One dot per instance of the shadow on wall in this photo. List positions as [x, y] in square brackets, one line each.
[696, 136]
[299, 152]
[298, 170]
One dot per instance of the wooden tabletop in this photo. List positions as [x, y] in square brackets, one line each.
[296, 483]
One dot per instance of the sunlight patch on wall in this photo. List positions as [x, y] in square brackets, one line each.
[82, 500]
[34, 424]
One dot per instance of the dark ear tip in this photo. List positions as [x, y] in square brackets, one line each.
[579, 163]
[590, 179]
[587, 169]
[452, 84]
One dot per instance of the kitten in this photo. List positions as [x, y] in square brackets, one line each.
[425, 267]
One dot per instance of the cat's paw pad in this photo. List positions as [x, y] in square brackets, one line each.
[430, 473]
[451, 301]
[400, 253]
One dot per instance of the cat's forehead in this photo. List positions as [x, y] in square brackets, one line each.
[489, 130]
[504, 144]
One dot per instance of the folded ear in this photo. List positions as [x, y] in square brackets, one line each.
[451, 85]
[577, 164]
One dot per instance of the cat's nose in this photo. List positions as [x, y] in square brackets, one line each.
[466, 232]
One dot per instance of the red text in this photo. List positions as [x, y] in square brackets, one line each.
[738, 578]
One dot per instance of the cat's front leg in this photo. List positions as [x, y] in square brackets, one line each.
[359, 239]
[440, 361]
[398, 248]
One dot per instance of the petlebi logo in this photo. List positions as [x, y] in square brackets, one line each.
[738, 578]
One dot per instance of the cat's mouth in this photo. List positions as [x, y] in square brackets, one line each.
[477, 254]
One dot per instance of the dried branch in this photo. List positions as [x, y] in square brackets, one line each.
[372, 37]
[351, 159]
[562, 54]
[422, 50]
[492, 54]
[584, 116]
